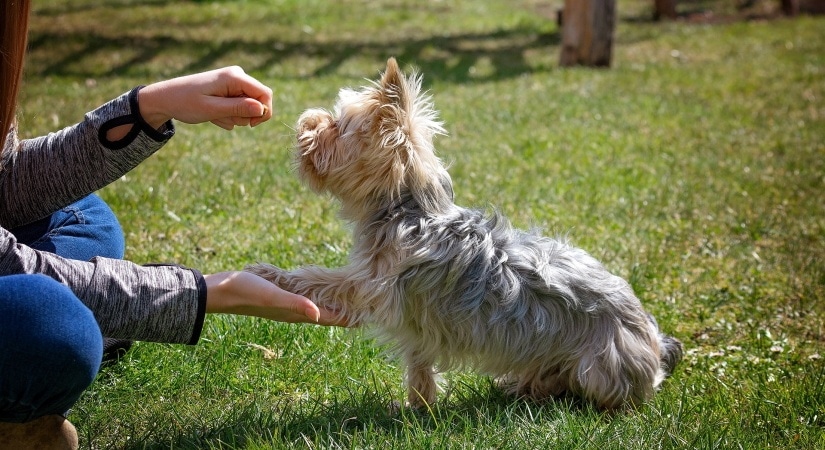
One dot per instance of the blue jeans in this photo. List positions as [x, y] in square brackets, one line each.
[50, 343]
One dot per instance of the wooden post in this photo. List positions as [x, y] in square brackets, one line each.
[664, 9]
[587, 32]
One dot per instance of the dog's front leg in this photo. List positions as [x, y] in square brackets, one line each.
[273, 274]
[331, 288]
[422, 389]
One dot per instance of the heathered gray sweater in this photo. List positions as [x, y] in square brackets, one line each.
[161, 303]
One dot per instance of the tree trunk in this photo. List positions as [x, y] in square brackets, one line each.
[664, 9]
[587, 32]
[790, 7]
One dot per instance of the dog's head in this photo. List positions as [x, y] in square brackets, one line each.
[375, 147]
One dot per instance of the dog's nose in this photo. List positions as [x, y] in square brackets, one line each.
[312, 119]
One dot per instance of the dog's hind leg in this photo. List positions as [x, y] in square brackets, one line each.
[536, 386]
[615, 377]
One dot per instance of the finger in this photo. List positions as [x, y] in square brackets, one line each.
[297, 305]
[233, 107]
[306, 309]
[254, 122]
[250, 87]
[240, 121]
[330, 317]
[312, 312]
[302, 306]
[223, 123]
[244, 84]
[253, 108]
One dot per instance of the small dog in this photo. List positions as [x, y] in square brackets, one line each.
[448, 287]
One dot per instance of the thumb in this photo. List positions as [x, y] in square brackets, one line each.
[244, 107]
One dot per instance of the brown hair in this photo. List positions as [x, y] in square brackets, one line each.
[14, 17]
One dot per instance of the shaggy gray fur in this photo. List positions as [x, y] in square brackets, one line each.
[447, 287]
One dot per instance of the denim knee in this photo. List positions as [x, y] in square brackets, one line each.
[50, 347]
[82, 230]
[102, 227]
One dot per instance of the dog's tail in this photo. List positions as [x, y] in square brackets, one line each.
[671, 349]
[671, 352]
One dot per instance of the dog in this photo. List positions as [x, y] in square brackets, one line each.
[447, 287]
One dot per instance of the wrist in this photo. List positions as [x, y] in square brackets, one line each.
[218, 297]
[150, 101]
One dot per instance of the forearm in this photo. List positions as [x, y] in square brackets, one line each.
[151, 303]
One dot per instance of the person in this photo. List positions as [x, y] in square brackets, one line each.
[63, 282]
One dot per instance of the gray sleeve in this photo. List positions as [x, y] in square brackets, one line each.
[163, 303]
[41, 175]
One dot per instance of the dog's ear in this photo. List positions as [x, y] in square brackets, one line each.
[392, 76]
[394, 86]
[407, 122]
[392, 118]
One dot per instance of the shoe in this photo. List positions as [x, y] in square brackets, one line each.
[47, 432]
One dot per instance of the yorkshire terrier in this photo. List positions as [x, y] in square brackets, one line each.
[448, 287]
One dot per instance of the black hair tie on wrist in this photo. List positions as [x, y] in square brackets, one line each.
[138, 124]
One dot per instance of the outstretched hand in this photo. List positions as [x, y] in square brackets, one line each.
[227, 97]
[250, 295]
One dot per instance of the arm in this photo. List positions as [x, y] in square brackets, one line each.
[39, 176]
[157, 303]
[152, 303]
[160, 303]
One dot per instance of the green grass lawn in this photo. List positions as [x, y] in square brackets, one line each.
[694, 167]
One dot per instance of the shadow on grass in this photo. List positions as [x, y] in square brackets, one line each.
[88, 55]
[370, 417]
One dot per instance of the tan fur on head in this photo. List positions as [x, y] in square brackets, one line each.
[385, 129]
[448, 287]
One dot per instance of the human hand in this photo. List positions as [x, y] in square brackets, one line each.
[226, 97]
[247, 294]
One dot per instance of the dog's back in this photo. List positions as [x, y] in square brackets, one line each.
[538, 311]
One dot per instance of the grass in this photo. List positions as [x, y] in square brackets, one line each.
[693, 167]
